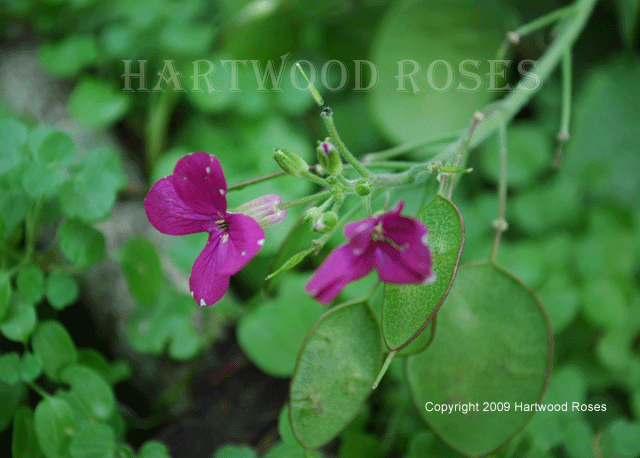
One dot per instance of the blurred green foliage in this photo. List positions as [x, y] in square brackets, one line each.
[574, 234]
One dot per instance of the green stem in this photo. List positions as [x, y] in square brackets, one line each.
[563, 134]
[304, 200]
[160, 108]
[501, 224]
[315, 178]
[521, 95]
[410, 146]
[37, 389]
[384, 369]
[244, 184]
[545, 20]
[327, 116]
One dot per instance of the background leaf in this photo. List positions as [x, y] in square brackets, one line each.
[493, 345]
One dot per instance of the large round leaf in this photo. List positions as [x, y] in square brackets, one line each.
[408, 309]
[493, 344]
[336, 369]
[434, 38]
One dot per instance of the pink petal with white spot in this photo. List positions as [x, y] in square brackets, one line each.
[200, 183]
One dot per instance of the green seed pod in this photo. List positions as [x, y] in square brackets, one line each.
[312, 214]
[290, 163]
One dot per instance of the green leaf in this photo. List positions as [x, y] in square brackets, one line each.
[92, 190]
[97, 104]
[83, 245]
[621, 439]
[23, 441]
[492, 317]
[234, 451]
[5, 293]
[112, 372]
[335, 371]
[14, 204]
[61, 290]
[420, 343]
[168, 322]
[285, 450]
[10, 368]
[562, 301]
[407, 309]
[20, 321]
[30, 283]
[284, 426]
[271, 333]
[10, 399]
[54, 425]
[290, 263]
[56, 148]
[360, 444]
[629, 15]
[605, 125]
[68, 56]
[91, 389]
[13, 137]
[53, 345]
[141, 267]
[30, 367]
[153, 449]
[604, 303]
[427, 32]
[95, 440]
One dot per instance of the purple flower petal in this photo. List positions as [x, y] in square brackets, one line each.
[170, 215]
[341, 268]
[200, 184]
[206, 283]
[359, 232]
[239, 244]
[410, 236]
[392, 268]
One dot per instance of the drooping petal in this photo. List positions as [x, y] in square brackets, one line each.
[393, 268]
[410, 236]
[341, 268]
[170, 215]
[239, 244]
[206, 283]
[200, 183]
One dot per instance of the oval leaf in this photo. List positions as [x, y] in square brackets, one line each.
[407, 309]
[336, 368]
[53, 345]
[420, 343]
[432, 58]
[95, 440]
[23, 441]
[91, 389]
[54, 424]
[494, 344]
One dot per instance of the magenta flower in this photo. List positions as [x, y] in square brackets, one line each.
[193, 199]
[395, 245]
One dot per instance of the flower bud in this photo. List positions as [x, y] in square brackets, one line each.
[290, 163]
[326, 222]
[363, 188]
[329, 157]
[312, 214]
[264, 210]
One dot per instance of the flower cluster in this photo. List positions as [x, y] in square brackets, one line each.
[193, 199]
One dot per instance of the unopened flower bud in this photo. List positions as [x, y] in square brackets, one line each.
[312, 214]
[326, 222]
[264, 210]
[363, 188]
[329, 157]
[290, 163]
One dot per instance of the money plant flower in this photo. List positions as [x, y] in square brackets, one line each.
[194, 199]
[395, 245]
